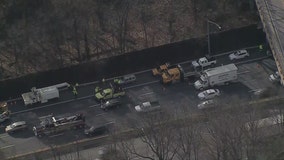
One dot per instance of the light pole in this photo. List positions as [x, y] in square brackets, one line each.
[208, 34]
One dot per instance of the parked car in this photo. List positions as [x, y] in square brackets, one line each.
[96, 130]
[275, 77]
[110, 104]
[239, 54]
[206, 104]
[16, 126]
[209, 94]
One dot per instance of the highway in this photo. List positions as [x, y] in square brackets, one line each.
[171, 97]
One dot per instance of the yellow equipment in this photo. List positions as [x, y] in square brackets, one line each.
[159, 70]
[177, 73]
[171, 75]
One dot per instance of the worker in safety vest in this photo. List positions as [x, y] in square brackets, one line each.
[260, 47]
[117, 81]
[75, 93]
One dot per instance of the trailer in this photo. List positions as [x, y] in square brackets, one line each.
[51, 125]
[217, 76]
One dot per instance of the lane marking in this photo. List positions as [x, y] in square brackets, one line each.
[95, 105]
[101, 114]
[9, 146]
[4, 136]
[56, 135]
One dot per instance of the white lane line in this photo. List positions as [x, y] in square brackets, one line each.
[95, 105]
[56, 135]
[147, 93]
[100, 114]
[9, 146]
[3, 136]
[53, 104]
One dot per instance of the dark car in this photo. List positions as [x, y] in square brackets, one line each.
[98, 130]
[110, 104]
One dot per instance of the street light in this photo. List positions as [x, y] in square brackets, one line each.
[208, 33]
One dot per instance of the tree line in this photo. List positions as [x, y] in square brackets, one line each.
[39, 35]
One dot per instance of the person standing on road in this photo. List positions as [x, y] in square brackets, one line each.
[75, 92]
[260, 47]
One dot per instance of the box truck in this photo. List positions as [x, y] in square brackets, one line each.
[217, 76]
[42, 95]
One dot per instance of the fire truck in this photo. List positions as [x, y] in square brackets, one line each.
[51, 125]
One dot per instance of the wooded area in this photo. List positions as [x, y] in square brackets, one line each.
[38, 35]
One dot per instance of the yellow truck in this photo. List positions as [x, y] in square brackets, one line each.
[159, 70]
[177, 73]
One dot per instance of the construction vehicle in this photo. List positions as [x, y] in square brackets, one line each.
[113, 91]
[178, 73]
[217, 76]
[159, 70]
[204, 62]
[51, 125]
[4, 112]
[42, 95]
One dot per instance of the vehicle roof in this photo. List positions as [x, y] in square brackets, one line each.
[19, 123]
[221, 69]
[173, 71]
[242, 50]
[113, 100]
[203, 59]
[210, 90]
[108, 90]
[129, 76]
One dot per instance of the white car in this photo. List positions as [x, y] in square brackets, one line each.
[16, 126]
[206, 104]
[209, 94]
[275, 77]
[239, 54]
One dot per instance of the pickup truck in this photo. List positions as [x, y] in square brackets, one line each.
[204, 62]
[148, 106]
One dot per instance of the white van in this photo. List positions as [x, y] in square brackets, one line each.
[125, 79]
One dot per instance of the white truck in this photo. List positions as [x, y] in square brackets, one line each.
[204, 62]
[217, 76]
[42, 95]
[148, 106]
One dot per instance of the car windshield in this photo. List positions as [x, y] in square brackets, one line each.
[13, 125]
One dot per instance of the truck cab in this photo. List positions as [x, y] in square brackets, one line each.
[148, 107]
[204, 62]
[171, 75]
[159, 70]
[113, 91]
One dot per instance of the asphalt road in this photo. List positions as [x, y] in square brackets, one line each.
[172, 98]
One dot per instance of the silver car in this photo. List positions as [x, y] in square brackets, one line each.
[16, 126]
[239, 54]
[206, 104]
[209, 94]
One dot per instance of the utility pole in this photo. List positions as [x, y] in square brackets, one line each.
[208, 34]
